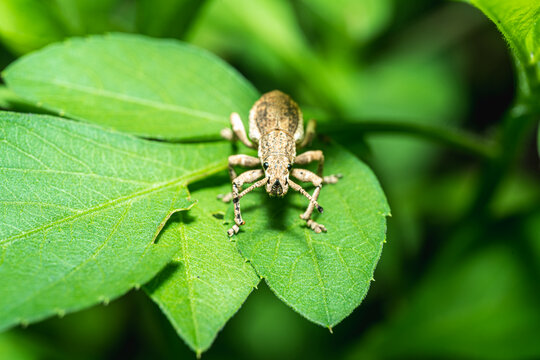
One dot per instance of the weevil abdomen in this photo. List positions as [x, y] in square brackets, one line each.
[275, 111]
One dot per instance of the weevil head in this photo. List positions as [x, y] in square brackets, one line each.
[277, 169]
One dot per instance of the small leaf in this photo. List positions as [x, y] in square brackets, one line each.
[153, 88]
[208, 280]
[80, 209]
[322, 276]
[518, 22]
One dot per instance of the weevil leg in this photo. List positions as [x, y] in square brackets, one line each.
[309, 134]
[246, 177]
[307, 176]
[238, 160]
[238, 131]
[317, 155]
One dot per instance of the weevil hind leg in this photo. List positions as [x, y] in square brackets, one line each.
[309, 134]
[238, 131]
[317, 155]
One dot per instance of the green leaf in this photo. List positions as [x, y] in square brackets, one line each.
[208, 280]
[26, 25]
[161, 89]
[518, 22]
[322, 276]
[81, 208]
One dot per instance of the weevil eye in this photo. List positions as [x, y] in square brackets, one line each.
[265, 165]
[289, 167]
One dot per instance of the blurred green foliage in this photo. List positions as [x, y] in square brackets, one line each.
[459, 276]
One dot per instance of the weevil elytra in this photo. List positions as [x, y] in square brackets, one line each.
[276, 127]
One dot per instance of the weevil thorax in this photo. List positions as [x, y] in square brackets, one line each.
[276, 123]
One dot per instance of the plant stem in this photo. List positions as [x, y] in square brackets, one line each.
[457, 139]
[517, 128]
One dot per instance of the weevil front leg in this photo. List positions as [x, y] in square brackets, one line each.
[317, 181]
[238, 131]
[238, 160]
[317, 155]
[247, 177]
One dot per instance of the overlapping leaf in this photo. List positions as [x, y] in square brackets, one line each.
[322, 276]
[208, 279]
[153, 88]
[80, 208]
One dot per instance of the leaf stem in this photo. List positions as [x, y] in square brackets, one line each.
[454, 138]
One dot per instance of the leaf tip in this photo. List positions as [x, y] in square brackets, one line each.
[330, 329]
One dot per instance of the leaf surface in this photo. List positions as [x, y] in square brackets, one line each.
[208, 280]
[80, 208]
[322, 276]
[161, 89]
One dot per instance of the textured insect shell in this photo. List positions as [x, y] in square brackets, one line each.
[276, 110]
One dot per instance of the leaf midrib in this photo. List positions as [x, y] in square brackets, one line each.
[183, 180]
[189, 280]
[135, 100]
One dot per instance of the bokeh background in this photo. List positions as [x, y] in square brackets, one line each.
[457, 279]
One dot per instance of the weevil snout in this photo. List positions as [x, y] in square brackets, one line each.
[277, 188]
[277, 169]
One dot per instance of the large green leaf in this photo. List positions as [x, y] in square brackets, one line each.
[80, 209]
[208, 279]
[322, 276]
[518, 20]
[154, 88]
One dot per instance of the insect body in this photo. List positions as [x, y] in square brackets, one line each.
[276, 126]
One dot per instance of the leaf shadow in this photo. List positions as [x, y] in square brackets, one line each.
[163, 276]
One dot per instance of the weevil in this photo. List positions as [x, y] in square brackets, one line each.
[276, 128]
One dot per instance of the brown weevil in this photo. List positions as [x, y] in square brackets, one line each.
[276, 126]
